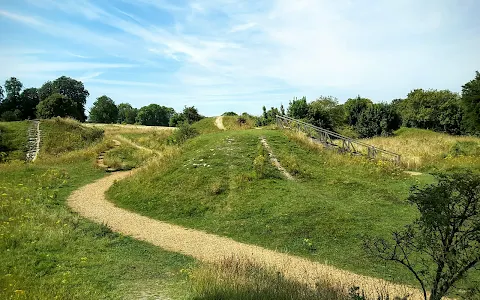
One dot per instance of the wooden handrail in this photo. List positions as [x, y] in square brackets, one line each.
[372, 150]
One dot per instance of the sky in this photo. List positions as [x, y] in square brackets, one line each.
[232, 55]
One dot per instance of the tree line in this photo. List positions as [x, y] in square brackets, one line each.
[67, 97]
[438, 110]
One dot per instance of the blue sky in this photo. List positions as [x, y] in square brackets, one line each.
[231, 55]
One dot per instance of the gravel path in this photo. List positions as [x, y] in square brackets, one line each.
[219, 123]
[90, 202]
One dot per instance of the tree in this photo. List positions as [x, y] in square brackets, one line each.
[104, 110]
[191, 114]
[379, 119]
[29, 100]
[443, 244]
[354, 108]
[13, 87]
[325, 112]
[432, 109]
[126, 113]
[71, 88]
[176, 119]
[56, 105]
[298, 108]
[154, 115]
[229, 113]
[1, 94]
[282, 110]
[471, 104]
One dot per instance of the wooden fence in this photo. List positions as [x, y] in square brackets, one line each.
[334, 140]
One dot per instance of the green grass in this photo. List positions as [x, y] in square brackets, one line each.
[232, 123]
[156, 140]
[126, 157]
[334, 202]
[13, 140]
[206, 125]
[48, 252]
[64, 135]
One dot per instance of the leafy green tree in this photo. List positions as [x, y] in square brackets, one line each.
[379, 119]
[70, 88]
[29, 100]
[126, 113]
[191, 114]
[325, 112]
[354, 108]
[13, 87]
[298, 108]
[1, 94]
[471, 104]
[56, 105]
[104, 110]
[432, 109]
[176, 119]
[154, 115]
[229, 113]
[443, 243]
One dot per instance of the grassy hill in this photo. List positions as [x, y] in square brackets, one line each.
[48, 252]
[13, 140]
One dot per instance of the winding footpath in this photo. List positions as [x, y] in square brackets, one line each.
[90, 202]
[219, 123]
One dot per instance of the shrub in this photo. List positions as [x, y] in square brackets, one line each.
[184, 132]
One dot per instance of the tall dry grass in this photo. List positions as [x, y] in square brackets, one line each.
[244, 279]
[422, 149]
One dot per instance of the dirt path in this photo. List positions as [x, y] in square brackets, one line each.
[275, 161]
[90, 202]
[219, 123]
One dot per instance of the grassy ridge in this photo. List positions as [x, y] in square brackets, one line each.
[323, 215]
[13, 140]
[206, 125]
[64, 135]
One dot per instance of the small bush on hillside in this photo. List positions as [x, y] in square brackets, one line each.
[462, 148]
[184, 132]
[229, 113]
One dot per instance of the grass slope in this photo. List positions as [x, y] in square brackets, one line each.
[13, 140]
[323, 215]
[48, 252]
[64, 135]
[206, 125]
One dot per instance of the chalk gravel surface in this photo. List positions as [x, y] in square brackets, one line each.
[90, 202]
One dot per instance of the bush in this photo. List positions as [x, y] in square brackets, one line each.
[184, 132]
[229, 113]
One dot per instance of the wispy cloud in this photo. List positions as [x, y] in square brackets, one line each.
[248, 53]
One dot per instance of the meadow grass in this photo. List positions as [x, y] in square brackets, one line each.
[126, 157]
[233, 123]
[426, 150]
[48, 252]
[206, 125]
[156, 140]
[65, 135]
[13, 140]
[237, 278]
[324, 214]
